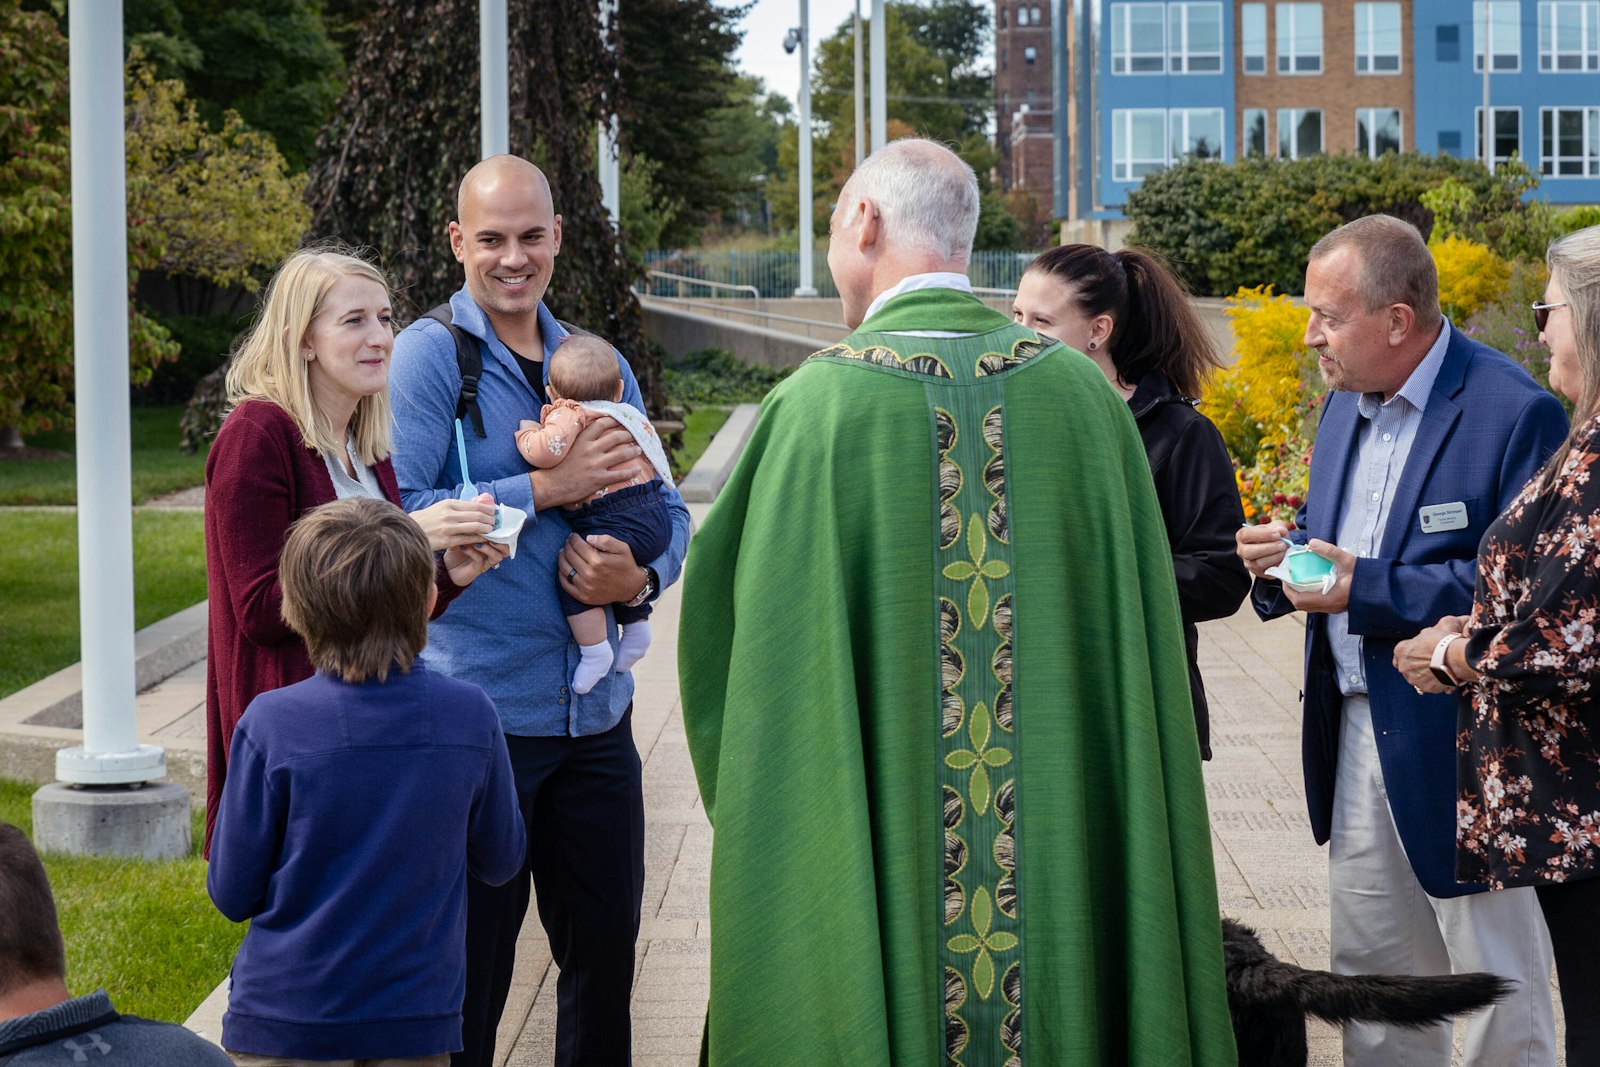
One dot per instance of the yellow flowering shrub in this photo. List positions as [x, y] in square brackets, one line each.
[1266, 403]
[1471, 276]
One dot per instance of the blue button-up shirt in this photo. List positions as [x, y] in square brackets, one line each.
[506, 631]
[1384, 437]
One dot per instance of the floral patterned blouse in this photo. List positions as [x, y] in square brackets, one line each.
[1528, 744]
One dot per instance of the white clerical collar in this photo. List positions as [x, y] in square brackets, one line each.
[939, 279]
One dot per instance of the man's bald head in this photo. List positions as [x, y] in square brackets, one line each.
[507, 236]
[494, 171]
[926, 195]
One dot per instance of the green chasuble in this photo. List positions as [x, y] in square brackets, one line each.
[935, 690]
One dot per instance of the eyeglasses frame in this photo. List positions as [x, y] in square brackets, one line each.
[1541, 313]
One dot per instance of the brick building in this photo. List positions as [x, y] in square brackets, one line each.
[1022, 97]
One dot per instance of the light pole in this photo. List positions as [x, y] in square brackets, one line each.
[105, 799]
[861, 117]
[610, 166]
[1486, 127]
[800, 38]
[880, 79]
[493, 81]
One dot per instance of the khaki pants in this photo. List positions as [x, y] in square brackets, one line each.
[250, 1059]
[1383, 923]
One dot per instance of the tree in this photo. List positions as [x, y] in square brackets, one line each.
[957, 32]
[406, 130]
[272, 61]
[678, 83]
[750, 129]
[36, 363]
[935, 90]
[215, 205]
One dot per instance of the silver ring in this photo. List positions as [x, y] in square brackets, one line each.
[572, 572]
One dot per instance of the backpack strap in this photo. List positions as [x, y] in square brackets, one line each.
[469, 361]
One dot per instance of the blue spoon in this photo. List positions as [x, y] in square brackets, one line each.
[469, 491]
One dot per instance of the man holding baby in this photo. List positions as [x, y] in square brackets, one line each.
[577, 770]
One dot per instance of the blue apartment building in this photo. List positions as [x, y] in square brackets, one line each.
[1141, 84]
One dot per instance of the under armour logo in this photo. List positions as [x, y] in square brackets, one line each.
[80, 1050]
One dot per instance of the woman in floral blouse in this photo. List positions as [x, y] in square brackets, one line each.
[1527, 661]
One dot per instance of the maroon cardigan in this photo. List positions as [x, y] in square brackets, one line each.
[260, 478]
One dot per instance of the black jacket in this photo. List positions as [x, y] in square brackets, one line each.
[1200, 504]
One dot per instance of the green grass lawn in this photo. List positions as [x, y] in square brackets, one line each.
[39, 583]
[158, 466]
[699, 427]
[144, 932]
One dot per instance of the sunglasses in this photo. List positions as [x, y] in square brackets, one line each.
[1541, 313]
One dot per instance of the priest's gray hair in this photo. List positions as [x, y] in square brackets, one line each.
[927, 197]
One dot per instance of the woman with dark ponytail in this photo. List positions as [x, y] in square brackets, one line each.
[1127, 313]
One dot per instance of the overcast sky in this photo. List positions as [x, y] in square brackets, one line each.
[762, 52]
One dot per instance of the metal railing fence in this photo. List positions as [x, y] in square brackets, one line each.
[776, 274]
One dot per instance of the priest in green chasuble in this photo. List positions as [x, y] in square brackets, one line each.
[936, 693]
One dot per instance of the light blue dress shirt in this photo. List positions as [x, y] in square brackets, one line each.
[1387, 430]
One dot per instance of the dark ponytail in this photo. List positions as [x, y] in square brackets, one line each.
[1154, 327]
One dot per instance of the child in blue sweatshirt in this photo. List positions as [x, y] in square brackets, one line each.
[356, 804]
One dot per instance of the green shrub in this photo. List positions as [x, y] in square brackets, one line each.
[203, 342]
[1231, 225]
[716, 376]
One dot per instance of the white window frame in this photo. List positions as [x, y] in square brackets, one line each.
[1589, 162]
[1122, 20]
[1123, 163]
[1294, 114]
[1022, 14]
[1180, 118]
[1500, 49]
[1246, 118]
[1366, 26]
[1037, 16]
[1368, 115]
[1290, 61]
[1477, 128]
[1180, 19]
[1588, 51]
[1249, 13]
[1030, 55]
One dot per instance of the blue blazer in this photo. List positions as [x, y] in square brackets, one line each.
[1487, 428]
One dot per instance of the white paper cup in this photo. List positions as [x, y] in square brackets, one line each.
[508, 529]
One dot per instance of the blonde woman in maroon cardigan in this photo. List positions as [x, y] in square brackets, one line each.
[310, 424]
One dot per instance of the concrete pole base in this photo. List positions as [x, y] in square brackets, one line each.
[150, 821]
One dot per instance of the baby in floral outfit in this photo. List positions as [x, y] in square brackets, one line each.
[585, 384]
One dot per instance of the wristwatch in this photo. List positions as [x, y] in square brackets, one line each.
[647, 592]
[1437, 664]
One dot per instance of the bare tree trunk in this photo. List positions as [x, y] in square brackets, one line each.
[10, 439]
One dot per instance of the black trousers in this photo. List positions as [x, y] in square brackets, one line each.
[583, 802]
[1572, 912]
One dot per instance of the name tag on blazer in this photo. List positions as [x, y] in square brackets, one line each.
[1437, 518]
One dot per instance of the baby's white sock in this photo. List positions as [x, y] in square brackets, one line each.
[595, 661]
[634, 644]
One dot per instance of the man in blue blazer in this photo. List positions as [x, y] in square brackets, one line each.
[1426, 437]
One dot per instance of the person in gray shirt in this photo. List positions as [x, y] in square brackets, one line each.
[40, 1022]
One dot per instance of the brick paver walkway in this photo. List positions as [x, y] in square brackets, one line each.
[1269, 873]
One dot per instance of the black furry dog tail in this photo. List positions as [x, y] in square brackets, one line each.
[1259, 980]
